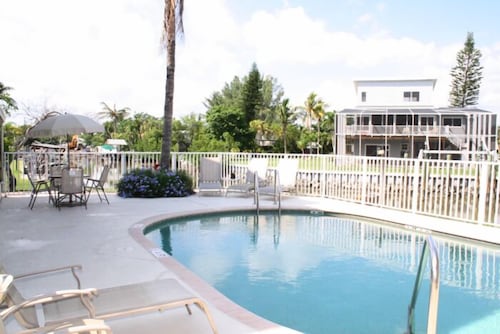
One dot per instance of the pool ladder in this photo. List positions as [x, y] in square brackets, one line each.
[276, 192]
[429, 250]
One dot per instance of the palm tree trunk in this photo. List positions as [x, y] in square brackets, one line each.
[284, 138]
[169, 94]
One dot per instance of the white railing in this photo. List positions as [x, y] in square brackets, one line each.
[461, 190]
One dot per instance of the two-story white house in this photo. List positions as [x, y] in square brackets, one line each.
[396, 118]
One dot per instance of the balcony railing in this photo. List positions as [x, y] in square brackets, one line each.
[460, 190]
[402, 130]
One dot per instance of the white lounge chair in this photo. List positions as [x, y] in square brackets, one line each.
[210, 177]
[256, 172]
[83, 326]
[71, 306]
[285, 180]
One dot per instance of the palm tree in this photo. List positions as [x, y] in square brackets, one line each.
[329, 126]
[10, 103]
[308, 108]
[286, 116]
[172, 25]
[314, 107]
[115, 115]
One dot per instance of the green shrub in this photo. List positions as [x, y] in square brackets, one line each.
[150, 183]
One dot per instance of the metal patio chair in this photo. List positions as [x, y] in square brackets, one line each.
[38, 184]
[98, 185]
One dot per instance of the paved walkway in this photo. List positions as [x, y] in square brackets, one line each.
[102, 239]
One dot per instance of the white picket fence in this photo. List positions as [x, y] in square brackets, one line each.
[461, 190]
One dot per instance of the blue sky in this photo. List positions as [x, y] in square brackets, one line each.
[73, 55]
[443, 21]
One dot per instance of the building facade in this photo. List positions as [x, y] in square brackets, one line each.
[396, 118]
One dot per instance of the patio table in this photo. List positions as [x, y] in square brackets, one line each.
[70, 186]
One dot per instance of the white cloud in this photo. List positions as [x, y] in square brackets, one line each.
[77, 54]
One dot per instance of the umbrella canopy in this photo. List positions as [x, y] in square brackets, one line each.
[66, 124]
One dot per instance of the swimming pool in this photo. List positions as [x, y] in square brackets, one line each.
[320, 273]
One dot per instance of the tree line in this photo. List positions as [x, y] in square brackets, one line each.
[248, 114]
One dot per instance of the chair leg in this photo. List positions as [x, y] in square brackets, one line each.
[98, 189]
[104, 193]
[98, 193]
[101, 188]
[31, 204]
[34, 195]
[88, 195]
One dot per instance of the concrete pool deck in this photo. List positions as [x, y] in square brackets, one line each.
[106, 241]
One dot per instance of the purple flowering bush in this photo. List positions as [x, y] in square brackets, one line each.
[149, 183]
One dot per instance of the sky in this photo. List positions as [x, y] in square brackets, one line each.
[72, 55]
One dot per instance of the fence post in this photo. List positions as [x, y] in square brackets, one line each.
[483, 192]
[364, 181]
[322, 176]
[174, 161]
[415, 184]
[123, 163]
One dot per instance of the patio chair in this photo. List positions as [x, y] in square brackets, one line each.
[256, 172]
[69, 306]
[38, 185]
[98, 185]
[285, 179]
[83, 326]
[71, 187]
[210, 177]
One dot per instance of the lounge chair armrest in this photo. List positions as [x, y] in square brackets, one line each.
[85, 296]
[83, 326]
[90, 325]
[71, 268]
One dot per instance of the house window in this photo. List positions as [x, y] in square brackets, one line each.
[401, 120]
[350, 120]
[377, 150]
[450, 121]
[363, 96]
[411, 96]
[363, 120]
[404, 150]
[349, 149]
[426, 121]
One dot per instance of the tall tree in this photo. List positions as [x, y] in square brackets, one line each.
[467, 75]
[251, 103]
[314, 108]
[6, 101]
[286, 116]
[172, 27]
[328, 127]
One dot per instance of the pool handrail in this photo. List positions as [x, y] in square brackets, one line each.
[429, 250]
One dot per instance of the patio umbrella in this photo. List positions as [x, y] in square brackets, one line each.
[64, 124]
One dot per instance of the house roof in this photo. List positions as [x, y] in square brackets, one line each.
[395, 80]
[116, 142]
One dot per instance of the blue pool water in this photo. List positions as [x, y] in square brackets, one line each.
[327, 274]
